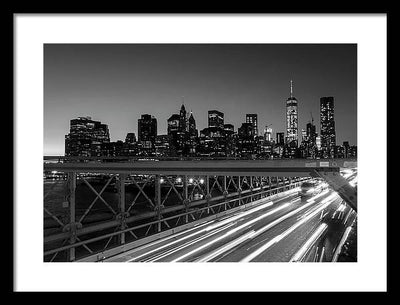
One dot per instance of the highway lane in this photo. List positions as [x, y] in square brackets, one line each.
[212, 241]
[210, 229]
[280, 230]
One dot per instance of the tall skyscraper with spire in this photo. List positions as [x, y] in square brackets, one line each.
[183, 118]
[192, 125]
[192, 141]
[291, 119]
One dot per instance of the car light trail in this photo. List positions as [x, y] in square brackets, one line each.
[284, 234]
[248, 223]
[246, 213]
[226, 247]
[321, 229]
[196, 240]
[240, 215]
[168, 244]
[322, 254]
[319, 195]
[342, 241]
[265, 228]
[348, 214]
[208, 228]
[173, 236]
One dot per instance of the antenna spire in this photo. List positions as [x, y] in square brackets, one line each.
[291, 88]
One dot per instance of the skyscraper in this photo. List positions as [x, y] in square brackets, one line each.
[215, 119]
[311, 131]
[147, 130]
[182, 131]
[268, 133]
[192, 126]
[291, 119]
[346, 148]
[311, 140]
[252, 119]
[246, 139]
[173, 129]
[193, 134]
[328, 134]
[130, 138]
[183, 120]
[85, 137]
[280, 138]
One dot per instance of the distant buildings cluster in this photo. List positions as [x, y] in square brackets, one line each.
[88, 138]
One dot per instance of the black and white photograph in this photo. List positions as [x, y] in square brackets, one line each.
[206, 152]
[200, 152]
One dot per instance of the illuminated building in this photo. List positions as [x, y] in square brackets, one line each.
[130, 138]
[252, 119]
[193, 134]
[86, 137]
[230, 140]
[318, 142]
[215, 119]
[147, 131]
[173, 129]
[280, 138]
[291, 119]
[328, 135]
[246, 140]
[162, 145]
[268, 134]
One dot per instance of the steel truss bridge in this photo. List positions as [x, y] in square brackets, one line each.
[155, 198]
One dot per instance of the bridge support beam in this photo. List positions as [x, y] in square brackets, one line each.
[185, 197]
[121, 206]
[340, 185]
[157, 186]
[72, 239]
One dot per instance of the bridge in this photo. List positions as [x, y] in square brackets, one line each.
[154, 199]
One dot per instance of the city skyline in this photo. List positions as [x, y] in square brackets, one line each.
[66, 95]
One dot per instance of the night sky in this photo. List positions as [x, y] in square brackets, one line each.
[115, 84]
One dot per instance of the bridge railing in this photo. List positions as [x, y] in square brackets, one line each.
[76, 226]
[342, 162]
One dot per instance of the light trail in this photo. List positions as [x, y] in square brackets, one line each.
[188, 244]
[240, 215]
[248, 223]
[339, 210]
[258, 232]
[165, 245]
[322, 254]
[207, 228]
[227, 247]
[212, 227]
[317, 234]
[319, 195]
[354, 181]
[342, 241]
[277, 238]
[348, 214]
[173, 236]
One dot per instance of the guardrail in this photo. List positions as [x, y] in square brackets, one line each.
[341, 162]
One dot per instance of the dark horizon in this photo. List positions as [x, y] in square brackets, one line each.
[117, 83]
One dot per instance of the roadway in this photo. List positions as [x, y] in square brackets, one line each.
[289, 228]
